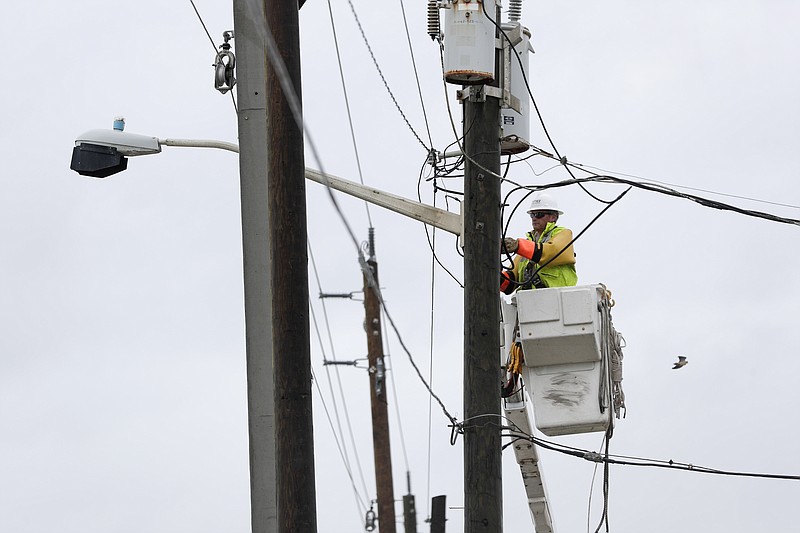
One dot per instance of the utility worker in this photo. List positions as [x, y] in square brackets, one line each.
[545, 257]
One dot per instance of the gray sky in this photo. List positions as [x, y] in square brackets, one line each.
[122, 387]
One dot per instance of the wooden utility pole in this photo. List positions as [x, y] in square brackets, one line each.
[438, 514]
[409, 509]
[483, 487]
[378, 394]
[409, 513]
[294, 429]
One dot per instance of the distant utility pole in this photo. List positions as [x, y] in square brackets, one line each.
[378, 394]
[483, 483]
[409, 509]
[438, 514]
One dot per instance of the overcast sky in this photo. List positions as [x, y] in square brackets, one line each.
[122, 378]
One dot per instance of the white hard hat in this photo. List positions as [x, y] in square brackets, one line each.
[544, 202]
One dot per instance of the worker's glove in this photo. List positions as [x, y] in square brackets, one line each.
[507, 282]
[510, 245]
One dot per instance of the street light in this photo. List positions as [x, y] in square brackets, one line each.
[103, 153]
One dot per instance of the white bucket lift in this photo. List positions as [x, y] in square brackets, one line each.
[572, 373]
[567, 340]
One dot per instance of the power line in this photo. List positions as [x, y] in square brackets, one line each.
[339, 381]
[431, 241]
[347, 106]
[359, 499]
[705, 202]
[779, 204]
[380, 73]
[515, 433]
[294, 103]
[213, 45]
[566, 247]
[416, 73]
[561, 158]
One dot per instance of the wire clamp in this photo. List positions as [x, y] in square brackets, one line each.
[593, 456]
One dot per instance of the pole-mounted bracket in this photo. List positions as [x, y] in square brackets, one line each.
[513, 36]
[478, 93]
[473, 93]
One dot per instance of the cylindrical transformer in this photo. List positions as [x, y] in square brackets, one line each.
[516, 126]
[469, 43]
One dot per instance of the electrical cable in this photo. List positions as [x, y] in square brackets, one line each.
[450, 417]
[347, 106]
[380, 73]
[427, 234]
[591, 492]
[515, 433]
[561, 158]
[604, 515]
[434, 260]
[458, 138]
[342, 452]
[533, 274]
[294, 103]
[705, 202]
[397, 411]
[213, 45]
[416, 73]
[338, 380]
[583, 167]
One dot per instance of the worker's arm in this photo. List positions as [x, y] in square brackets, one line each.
[548, 252]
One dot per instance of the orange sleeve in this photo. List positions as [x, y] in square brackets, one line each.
[526, 248]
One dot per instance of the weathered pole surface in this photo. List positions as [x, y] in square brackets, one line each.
[483, 488]
[252, 109]
[294, 430]
[378, 394]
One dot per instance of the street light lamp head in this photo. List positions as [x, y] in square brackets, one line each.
[128, 144]
[102, 153]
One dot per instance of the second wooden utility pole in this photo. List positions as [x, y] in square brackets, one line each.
[294, 428]
[378, 394]
[483, 481]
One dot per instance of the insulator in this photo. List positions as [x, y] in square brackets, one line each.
[433, 20]
[514, 10]
[369, 520]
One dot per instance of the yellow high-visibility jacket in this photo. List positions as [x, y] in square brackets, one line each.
[559, 269]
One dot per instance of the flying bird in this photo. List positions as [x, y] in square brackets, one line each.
[681, 362]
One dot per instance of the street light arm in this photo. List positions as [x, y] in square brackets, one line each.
[199, 143]
[97, 153]
[439, 218]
